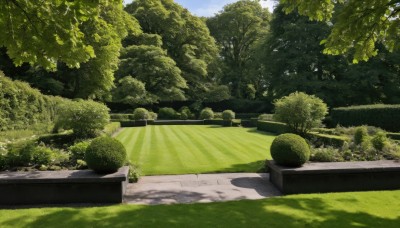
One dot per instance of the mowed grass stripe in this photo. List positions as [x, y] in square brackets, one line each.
[195, 149]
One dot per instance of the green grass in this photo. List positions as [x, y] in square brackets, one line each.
[196, 149]
[361, 209]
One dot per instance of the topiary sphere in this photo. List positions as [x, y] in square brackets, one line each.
[228, 115]
[140, 114]
[105, 155]
[290, 150]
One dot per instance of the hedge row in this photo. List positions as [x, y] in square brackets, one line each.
[273, 127]
[247, 115]
[118, 117]
[22, 106]
[327, 140]
[178, 122]
[383, 116]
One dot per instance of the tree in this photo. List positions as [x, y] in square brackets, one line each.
[300, 112]
[237, 29]
[359, 26]
[50, 31]
[131, 91]
[185, 38]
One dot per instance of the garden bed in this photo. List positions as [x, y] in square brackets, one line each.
[336, 177]
[62, 187]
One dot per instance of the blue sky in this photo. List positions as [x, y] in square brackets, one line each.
[210, 7]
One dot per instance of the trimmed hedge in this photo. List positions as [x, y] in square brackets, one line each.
[118, 117]
[383, 116]
[273, 127]
[177, 122]
[246, 115]
[395, 136]
[290, 150]
[128, 123]
[327, 140]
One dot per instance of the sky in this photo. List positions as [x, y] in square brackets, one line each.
[208, 8]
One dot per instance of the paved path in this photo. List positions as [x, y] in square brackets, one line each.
[192, 188]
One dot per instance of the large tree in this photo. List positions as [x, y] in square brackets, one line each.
[358, 27]
[185, 38]
[47, 32]
[237, 29]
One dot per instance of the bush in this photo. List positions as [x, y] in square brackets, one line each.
[300, 112]
[379, 115]
[379, 140]
[118, 117]
[105, 155]
[167, 114]
[327, 140]
[134, 174]
[185, 113]
[325, 154]
[78, 150]
[20, 153]
[85, 118]
[290, 150]
[3, 160]
[206, 114]
[140, 114]
[152, 116]
[273, 127]
[360, 135]
[43, 156]
[228, 115]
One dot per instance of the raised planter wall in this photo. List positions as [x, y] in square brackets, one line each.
[336, 177]
[62, 187]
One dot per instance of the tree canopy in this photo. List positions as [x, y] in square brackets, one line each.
[357, 28]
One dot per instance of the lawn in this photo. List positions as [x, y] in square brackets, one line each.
[361, 209]
[196, 149]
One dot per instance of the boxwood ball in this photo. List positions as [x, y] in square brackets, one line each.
[105, 155]
[290, 150]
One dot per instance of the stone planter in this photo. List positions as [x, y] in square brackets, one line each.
[62, 187]
[336, 177]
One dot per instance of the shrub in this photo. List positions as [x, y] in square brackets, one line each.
[152, 116]
[300, 112]
[20, 153]
[325, 154]
[290, 150]
[185, 113]
[140, 114]
[327, 140]
[85, 118]
[266, 117]
[78, 150]
[228, 115]
[360, 135]
[3, 160]
[379, 115]
[167, 114]
[105, 155]
[379, 140]
[134, 173]
[42, 156]
[206, 114]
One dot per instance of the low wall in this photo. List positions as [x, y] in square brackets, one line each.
[336, 177]
[62, 187]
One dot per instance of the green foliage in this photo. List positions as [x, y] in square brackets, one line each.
[152, 116]
[130, 90]
[185, 39]
[140, 114]
[376, 115]
[325, 154]
[22, 107]
[185, 113]
[206, 114]
[111, 128]
[228, 115]
[357, 28]
[217, 93]
[237, 29]
[117, 117]
[78, 150]
[290, 150]
[105, 155]
[300, 111]
[43, 156]
[20, 153]
[273, 127]
[85, 118]
[379, 140]
[167, 113]
[266, 117]
[134, 173]
[335, 141]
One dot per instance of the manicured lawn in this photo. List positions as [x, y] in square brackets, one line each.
[363, 209]
[196, 149]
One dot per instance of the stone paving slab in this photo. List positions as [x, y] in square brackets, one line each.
[201, 188]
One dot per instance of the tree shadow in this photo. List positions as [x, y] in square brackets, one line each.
[254, 130]
[261, 185]
[302, 211]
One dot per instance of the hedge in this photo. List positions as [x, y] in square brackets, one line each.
[118, 117]
[395, 136]
[273, 127]
[247, 115]
[327, 140]
[383, 116]
[178, 122]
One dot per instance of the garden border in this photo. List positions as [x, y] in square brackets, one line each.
[336, 176]
[62, 187]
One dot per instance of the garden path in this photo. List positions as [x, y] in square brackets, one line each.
[192, 188]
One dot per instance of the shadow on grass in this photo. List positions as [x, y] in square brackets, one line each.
[254, 130]
[298, 211]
